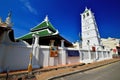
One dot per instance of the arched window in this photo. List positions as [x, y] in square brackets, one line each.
[88, 42]
[87, 14]
[83, 16]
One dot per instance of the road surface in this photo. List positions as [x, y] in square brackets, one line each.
[108, 72]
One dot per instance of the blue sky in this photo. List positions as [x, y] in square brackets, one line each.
[64, 15]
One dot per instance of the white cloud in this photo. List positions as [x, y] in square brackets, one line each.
[29, 7]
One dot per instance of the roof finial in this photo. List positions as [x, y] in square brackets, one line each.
[46, 18]
[86, 8]
[9, 14]
[8, 19]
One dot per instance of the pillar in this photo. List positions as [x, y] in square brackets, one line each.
[97, 56]
[102, 52]
[62, 54]
[62, 43]
[106, 54]
[35, 50]
[89, 53]
[51, 61]
[52, 43]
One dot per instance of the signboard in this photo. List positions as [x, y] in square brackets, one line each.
[73, 53]
[53, 51]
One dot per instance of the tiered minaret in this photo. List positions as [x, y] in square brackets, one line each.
[90, 34]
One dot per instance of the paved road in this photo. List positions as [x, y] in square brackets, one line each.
[108, 72]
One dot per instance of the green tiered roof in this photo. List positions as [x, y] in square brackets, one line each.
[41, 34]
[42, 25]
[41, 30]
[46, 32]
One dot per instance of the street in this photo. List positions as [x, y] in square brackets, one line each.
[108, 72]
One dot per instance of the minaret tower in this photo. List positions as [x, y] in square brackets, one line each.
[90, 34]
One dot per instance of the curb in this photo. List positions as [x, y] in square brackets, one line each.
[38, 71]
[77, 71]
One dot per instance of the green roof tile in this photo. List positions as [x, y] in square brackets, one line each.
[44, 24]
[40, 33]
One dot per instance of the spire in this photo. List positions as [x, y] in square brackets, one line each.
[9, 14]
[46, 19]
[8, 19]
[86, 8]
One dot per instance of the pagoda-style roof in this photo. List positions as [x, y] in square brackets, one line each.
[40, 33]
[44, 25]
[46, 32]
[45, 28]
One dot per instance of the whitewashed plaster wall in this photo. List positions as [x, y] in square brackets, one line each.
[17, 57]
[72, 60]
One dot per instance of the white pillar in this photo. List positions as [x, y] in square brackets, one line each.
[35, 60]
[62, 43]
[106, 54]
[96, 55]
[51, 59]
[52, 43]
[89, 54]
[63, 53]
[96, 58]
[102, 54]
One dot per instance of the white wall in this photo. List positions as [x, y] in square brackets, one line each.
[2, 49]
[44, 56]
[16, 57]
[72, 60]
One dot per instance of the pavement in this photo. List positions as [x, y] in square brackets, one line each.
[49, 73]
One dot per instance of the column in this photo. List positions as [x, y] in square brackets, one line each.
[63, 53]
[102, 54]
[96, 54]
[52, 43]
[51, 59]
[89, 53]
[62, 43]
[35, 50]
[106, 54]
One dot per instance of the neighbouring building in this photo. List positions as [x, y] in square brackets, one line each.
[112, 43]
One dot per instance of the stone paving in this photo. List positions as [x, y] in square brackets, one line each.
[51, 72]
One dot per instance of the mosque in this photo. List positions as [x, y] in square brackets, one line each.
[48, 47]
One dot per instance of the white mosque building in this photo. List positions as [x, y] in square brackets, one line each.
[56, 50]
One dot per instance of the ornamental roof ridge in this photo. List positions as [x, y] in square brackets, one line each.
[37, 25]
